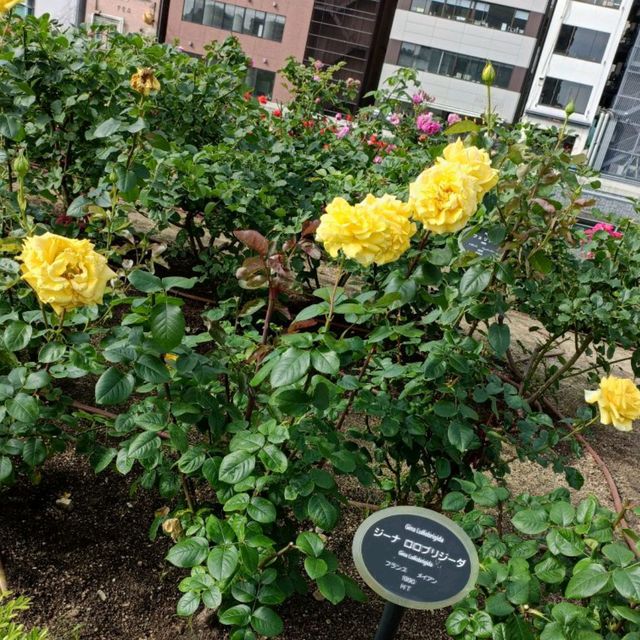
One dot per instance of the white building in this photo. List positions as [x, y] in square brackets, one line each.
[575, 63]
[66, 12]
[449, 42]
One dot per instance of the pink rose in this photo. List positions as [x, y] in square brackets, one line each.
[343, 132]
[452, 118]
[377, 160]
[426, 124]
[604, 226]
[394, 119]
[318, 65]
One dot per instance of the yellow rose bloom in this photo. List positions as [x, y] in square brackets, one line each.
[5, 5]
[475, 162]
[618, 401]
[443, 197]
[374, 230]
[144, 81]
[64, 272]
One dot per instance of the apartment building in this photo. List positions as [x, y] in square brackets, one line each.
[65, 12]
[269, 31]
[576, 63]
[449, 41]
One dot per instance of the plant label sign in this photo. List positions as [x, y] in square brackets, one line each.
[415, 558]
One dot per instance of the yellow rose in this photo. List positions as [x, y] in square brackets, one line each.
[63, 272]
[374, 230]
[618, 400]
[5, 5]
[144, 81]
[443, 197]
[475, 162]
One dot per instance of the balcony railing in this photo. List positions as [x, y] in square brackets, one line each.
[612, 4]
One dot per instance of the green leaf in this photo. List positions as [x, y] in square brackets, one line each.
[530, 521]
[474, 280]
[454, 501]
[464, 126]
[23, 408]
[51, 352]
[5, 468]
[191, 460]
[315, 567]
[142, 444]
[261, 510]
[627, 582]
[619, 554]
[290, 367]
[292, 402]
[102, 458]
[550, 571]
[519, 629]
[332, 588]
[114, 387]
[223, 561]
[247, 441]
[273, 459]
[498, 605]
[322, 513]
[188, 604]
[188, 553]
[562, 513]
[460, 435]
[482, 624]
[587, 582]
[167, 325]
[151, 369]
[541, 262]
[145, 281]
[17, 335]
[457, 622]
[34, 452]
[310, 544]
[312, 311]
[325, 362]
[238, 616]
[236, 466]
[632, 615]
[499, 338]
[239, 502]
[564, 542]
[107, 128]
[266, 622]
[499, 632]
[179, 282]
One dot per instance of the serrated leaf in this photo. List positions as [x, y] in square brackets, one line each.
[236, 466]
[310, 544]
[290, 367]
[627, 582]
[587, 582]
[188, 604]
[167, 325]
[113, 387]
[322, 513]
[261, 510]
[23, 408]
[189, 552]
[475, 280]
[530, 521]
[222, 562]
[266, 622]
[332, 588]
[17, 335]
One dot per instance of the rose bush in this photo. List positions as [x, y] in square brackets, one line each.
[388, 359]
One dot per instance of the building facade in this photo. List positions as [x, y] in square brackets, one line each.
[127, 16]
[576, 62]
[449, 41]
[269, 31]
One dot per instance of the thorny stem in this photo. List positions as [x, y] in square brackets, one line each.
[187, 492]
[276, 555]
[414, 262]
[536, 357]
[332, 301]
[352, 393]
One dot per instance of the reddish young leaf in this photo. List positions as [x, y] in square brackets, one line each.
[254, 240]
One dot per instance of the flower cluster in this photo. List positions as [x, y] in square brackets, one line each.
[144, 81]
[64, 272]
[5, 5]
[603, 226]
[376, 230]
[427, 125]
[618, 401]
[442, 198]
[446, 195]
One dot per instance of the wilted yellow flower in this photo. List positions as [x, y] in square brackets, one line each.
[618, 401]
[5, 5]
[144, 81]
[64, 272]
[475, 162]
[443, 197]
[173, 528]
[374, 230]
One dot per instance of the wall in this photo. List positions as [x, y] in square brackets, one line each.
[132, 12]
[265, 54]
[64, 11]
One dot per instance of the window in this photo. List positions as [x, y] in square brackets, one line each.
[558, 93]
[486, 14]
[585, 44]
[450, 64]
[108, 21]
[25, 8]
[222, 15]
[261, 81]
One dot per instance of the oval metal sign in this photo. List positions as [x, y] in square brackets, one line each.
[415, 557]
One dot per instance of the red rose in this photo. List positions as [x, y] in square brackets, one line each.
[262, 99]
[277, 113]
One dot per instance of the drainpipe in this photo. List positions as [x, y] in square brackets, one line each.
[163, 19]
[81, 12]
